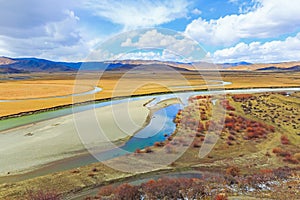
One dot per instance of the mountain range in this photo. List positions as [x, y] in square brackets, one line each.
[29, 65]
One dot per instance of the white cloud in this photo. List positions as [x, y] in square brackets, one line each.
[196, 11]
[157, 44]
[55, 40]
[274, 51]
[138, 56]
[165, 55]
[266, 19]
[143, 13]
[25, 18]
[172, 41]
[48, 29]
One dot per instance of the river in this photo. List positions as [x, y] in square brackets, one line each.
[143, 138]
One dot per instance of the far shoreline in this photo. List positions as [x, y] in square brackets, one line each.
[21, 114]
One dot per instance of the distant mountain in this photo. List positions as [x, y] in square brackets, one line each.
[272, 68]
[5, 70]
[6, 61]
[40, 65]
[27, 65]
[227, 65]
[267, 66]
[23, 65]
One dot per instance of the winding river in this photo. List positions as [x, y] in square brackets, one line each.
[143, 138]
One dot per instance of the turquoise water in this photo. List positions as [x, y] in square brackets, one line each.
[29, 119]
[37, 117]
[148, 135]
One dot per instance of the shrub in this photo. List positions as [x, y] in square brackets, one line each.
[148, 150]
[291, 160]
[43, 195]
[196, 144]
[280, 152]
[127, 191]
[138, 151]
[221, 196]
[277, 150]
[284, 140]
[174, 188]
[159, 144]
[233, 171]
[106, 191]
[75, 171]
[230, 137]
[94, 169]
[282, 172]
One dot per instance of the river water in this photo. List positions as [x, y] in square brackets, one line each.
[145, 137]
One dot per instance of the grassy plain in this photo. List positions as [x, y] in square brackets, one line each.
[116, 84]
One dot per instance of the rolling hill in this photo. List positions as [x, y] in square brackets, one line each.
[29, 65]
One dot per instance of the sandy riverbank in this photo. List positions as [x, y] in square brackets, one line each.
[28, 147]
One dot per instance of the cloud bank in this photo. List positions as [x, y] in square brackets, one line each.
[265, 19]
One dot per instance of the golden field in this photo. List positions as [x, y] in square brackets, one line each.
[114, 84]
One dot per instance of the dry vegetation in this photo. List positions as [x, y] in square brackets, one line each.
[118, 84]
[257, 155]
[260, 131]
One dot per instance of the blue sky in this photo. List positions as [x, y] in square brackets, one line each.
[227, 30]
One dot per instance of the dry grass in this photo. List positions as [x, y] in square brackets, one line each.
[120, 84]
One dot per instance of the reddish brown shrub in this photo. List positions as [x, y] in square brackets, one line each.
[106, 191]
[284, 140]
[138, 151]
[159, 144]
[127, 191]
[277, 150]
[280, 152]
[227, 106]
[266, 171]
[241, 97]
[272, 129]
[196, 144]
[43, 195]
[290, 159]
[221, 196]
[175, 188]
[233, 171]
[203, 117]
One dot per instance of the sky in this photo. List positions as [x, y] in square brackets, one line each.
[257, 31]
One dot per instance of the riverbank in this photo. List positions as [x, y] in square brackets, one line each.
[43, 142]
[219, 160]
[99, 100]
[110, 80]
[67, 154]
